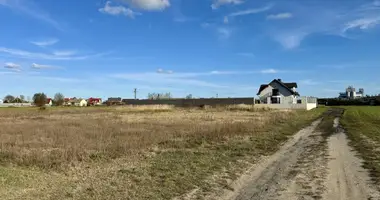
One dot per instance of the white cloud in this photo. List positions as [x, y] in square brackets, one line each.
[161, 71]
[65, 53]
[38, 66]
[333, 19]
[292, 39]
[218, 3]
[151, 5]
[31, 9]
[10, 65]
[118, 10]
[251, 11]
[32, 55]
[364, 23]
[280, 16]
[43, 43]
[269, 71]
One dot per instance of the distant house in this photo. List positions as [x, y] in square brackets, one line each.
[66, 101]
[80, 102]
[1, 101]
[276, 91]
[94, 101]
[114, 101]
[75, 102]
[49, 102]
[351, 93]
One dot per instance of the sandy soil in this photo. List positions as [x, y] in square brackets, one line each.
[311, 165]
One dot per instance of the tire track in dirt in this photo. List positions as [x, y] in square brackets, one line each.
[346, 178]
[315, 164]
[272, 177]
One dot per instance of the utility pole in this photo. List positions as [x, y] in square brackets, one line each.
[135, 91]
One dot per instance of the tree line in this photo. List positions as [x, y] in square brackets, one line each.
[39, 99]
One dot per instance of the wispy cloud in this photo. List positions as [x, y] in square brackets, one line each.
[65, 53]
[149, 5]
[60, 79]
[292, 39]
[118, 10]
[251, 11]
[161, 71]
[333, 19]
[38, 66]
[217, 3]
[364, 23]
[224, 32]
[31, 9]
[47, 42]
[247, 12]
[280, 16]
[187, 78]
[269, 71]
[33, 55]
[156, 78]
[7, 73]
[10, 65]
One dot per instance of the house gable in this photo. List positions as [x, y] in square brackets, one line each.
[284, 89]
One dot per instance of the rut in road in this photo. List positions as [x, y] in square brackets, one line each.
[316, 163]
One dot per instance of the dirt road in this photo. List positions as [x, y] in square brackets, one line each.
[314, 164]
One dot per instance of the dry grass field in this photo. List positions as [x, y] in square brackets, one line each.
[141, 152]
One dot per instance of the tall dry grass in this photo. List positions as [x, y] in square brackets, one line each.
[63, 137]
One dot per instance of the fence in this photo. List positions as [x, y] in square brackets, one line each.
[15, 105]
[305, 103]
[192, 102]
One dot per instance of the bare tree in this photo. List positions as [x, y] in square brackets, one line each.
[39, 99]
[17, 100]
[189, 96]
[158, 96]
[9, 98]
[22, 97]
[59, 99]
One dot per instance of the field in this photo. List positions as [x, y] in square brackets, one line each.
[145, 152]
[363, 128]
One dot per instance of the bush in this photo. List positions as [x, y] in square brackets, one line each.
[39, 99]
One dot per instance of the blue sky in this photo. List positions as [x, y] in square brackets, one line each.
[105, 48]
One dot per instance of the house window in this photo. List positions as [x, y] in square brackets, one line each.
[275, 92]
[299, 101]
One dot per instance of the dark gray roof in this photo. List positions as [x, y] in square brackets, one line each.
[114, 99]
[288, 86]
